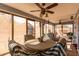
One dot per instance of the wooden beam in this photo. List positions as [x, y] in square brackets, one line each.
[62, 28]
[54, 28]
[40, 30]
[43, 28]
[73, 28]
[34, 29]
[26, 26]
[68, 22]
[12, 27]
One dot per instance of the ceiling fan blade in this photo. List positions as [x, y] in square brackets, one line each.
[39, 5]
[50, 12]
[35, 10]
[52, 5]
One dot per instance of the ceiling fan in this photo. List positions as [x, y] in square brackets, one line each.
[45, 10]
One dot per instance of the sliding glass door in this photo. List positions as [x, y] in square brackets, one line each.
[5, 32]
[47, 28]
[19, 29]
[37, 29]
[51, 28]
[67, 28]
[58, 30]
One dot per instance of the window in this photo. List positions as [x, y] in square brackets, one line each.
[67, 28]
[45, 28]
[48, 27]
[63, 31]
[58, 29]
[37, 29]
[5, 32]
[31, 30]
[19, 29]
[51, 28]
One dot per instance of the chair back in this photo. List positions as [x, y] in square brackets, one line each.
[29, 37]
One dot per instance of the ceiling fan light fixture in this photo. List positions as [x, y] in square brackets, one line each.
[46, 14]
[71, 17]
[43, 4]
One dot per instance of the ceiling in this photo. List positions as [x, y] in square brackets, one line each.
[62, 11]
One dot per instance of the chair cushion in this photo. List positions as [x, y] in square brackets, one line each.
[32, 42]
[29, 37]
